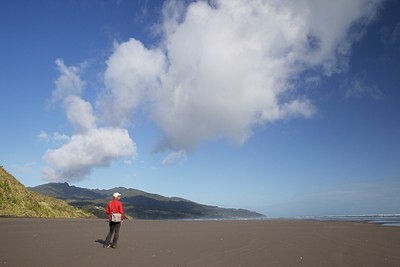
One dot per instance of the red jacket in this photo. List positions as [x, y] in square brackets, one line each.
[114, 206]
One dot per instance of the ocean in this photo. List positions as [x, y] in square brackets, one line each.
[382, 219]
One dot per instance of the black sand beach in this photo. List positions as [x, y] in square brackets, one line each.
[78, 242]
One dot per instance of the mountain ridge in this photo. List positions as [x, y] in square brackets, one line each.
[140, 204]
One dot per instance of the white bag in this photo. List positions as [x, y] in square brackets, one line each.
[116, 217]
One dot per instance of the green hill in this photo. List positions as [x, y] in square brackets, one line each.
[139, 204]
[18, 201]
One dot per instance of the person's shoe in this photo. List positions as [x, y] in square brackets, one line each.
[106, 245]
[114, 246]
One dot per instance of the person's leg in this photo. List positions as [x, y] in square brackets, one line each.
[110, 233]
[116, 235]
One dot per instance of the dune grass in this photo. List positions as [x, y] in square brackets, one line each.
[17, 201]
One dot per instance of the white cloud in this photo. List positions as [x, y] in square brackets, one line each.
[94, 148]
[68, 83]
[223, 69]
[132, 70]
[90, 146]
[79, 113]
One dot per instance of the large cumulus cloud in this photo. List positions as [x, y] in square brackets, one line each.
[226, 66]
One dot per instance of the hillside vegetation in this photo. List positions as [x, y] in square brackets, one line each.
[18, 201]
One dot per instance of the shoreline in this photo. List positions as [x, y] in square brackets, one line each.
[381, 221]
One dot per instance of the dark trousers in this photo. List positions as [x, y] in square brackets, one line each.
[114, 229]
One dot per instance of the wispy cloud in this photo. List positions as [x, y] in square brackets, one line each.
[55, 137]
[175, 157]
[43, 136]
[26, 168]
[390, 36]
[357, 88]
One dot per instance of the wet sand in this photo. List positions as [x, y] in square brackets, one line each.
[76, 242]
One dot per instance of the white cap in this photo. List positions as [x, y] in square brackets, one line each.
[116, 194]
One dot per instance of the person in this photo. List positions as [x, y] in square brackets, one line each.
[114, 206]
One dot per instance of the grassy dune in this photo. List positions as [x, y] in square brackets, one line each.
[17, 201]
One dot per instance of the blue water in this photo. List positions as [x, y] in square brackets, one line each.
[391, 224]
[382, 219]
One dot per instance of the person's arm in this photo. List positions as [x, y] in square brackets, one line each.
[108, 208]
[121, 210]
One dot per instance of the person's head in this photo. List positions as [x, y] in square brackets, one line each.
[117, 195]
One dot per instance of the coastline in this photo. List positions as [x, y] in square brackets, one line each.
[66, 242]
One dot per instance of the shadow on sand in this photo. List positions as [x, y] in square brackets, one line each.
[100, 241]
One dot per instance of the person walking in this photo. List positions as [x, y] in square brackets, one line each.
[116, 217]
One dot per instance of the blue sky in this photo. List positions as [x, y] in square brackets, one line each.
[289, 109]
